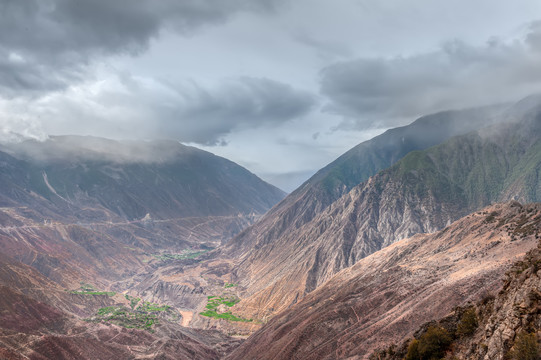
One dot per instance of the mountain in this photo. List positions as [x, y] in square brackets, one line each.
[81, 217]
[423, 192]
[356, 166]
[81, 208]
[387, 296]
[133, 178]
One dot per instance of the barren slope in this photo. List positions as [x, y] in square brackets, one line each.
[389, 294]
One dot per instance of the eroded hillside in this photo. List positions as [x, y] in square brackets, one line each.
[387, 296]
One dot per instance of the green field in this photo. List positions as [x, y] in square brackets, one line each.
[142, 315]
[213, 302]
[89, 289]
[184, 255]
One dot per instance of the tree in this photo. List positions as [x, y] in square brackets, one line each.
[468, 323]
[525, 347]
[413, 350]
[430, 346]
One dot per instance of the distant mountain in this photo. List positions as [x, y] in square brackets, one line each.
[164, 179]
[387, 296]
[423, 192]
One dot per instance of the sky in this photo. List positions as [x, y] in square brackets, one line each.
[281, 87]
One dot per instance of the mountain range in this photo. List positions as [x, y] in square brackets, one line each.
[154, 249]
[90, 208]
[423, 192]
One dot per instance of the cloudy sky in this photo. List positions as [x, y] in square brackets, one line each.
[279, 86]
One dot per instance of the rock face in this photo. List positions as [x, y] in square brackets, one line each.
[423, 192]
[514, 311]
[387, 296]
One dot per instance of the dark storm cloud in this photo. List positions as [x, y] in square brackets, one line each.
[204, 116]
[45, 44]
[381, 92]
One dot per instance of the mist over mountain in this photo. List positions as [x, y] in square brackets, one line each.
[423, 192]
[135, 224]
[164, 179]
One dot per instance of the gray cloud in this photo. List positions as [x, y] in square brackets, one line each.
[48, 44]
[534, 37]
[379, 92]
[326, 49]
[204, 116]
[129, 107]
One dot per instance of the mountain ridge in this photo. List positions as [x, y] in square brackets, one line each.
[356, 166]
[423, 192]
[163, 178]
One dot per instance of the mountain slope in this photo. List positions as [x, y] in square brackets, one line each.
[131, 179]
[81, 208]
[499, 326]
[423, 192]
[386, 296]
[356, 166]
[40, 320]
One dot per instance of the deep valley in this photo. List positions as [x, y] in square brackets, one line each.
[156, 250]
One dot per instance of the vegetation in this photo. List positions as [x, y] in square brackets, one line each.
[89, 289]
[229, 285]
[133, 301]
[145, 316]
[226, 316]
[468, 323]
[214, 302]
[151, 307]
[430, 346]
[413, 350]
[123, 317]
[186, 254]
[525, 347]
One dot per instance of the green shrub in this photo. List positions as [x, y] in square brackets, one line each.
[413, 350]
[468, 323]
[431, 346]
[525, 347]
[434, 343]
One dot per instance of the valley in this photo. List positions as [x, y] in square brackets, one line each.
[176, 253]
